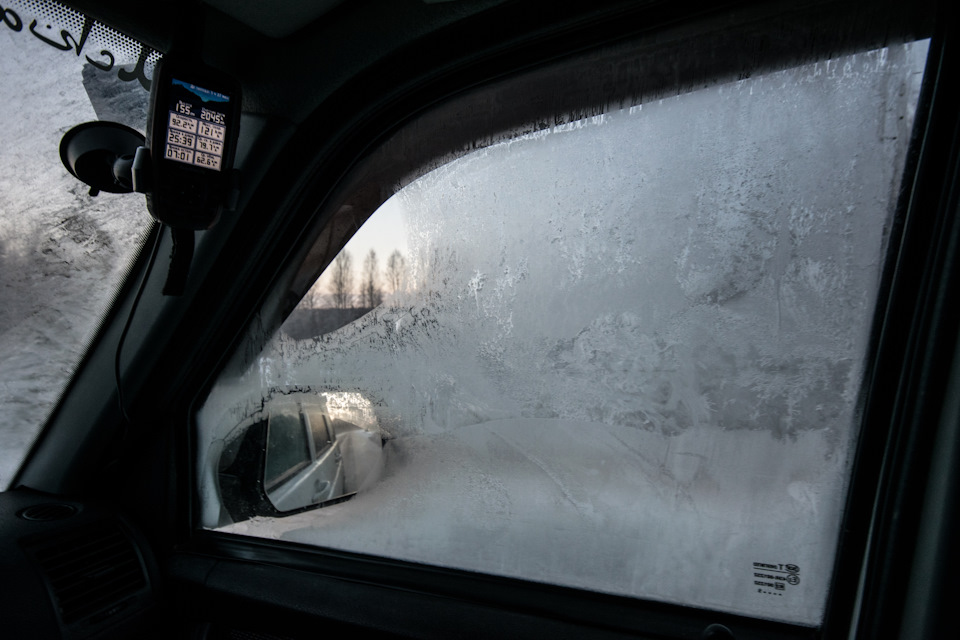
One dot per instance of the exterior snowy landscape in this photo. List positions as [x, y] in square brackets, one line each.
[631, 349]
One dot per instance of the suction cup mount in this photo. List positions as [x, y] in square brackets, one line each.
[101, 154]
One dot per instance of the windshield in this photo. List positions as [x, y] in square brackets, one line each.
[63, 252]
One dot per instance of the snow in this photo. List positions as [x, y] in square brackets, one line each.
[630, 352]
[599, 498]
[62, 252]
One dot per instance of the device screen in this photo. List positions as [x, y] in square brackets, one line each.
[197, 122]
[193, 130]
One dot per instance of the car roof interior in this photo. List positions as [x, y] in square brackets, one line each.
[345, 102]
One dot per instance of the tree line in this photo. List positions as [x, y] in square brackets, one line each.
[373, 283]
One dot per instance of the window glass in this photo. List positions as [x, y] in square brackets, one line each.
[320, 430]
[63, 252]
[287, 447]
[623, 354]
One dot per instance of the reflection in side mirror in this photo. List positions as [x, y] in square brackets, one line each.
[296, 459]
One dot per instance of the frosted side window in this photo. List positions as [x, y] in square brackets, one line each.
[625, 353]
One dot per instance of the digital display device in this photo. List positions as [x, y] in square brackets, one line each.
[197, 125]
[194, 124]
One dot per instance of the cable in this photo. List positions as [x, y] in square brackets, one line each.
[126, 326]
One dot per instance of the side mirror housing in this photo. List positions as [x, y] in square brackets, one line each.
[293, 460]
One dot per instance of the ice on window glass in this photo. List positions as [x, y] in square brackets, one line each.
[627, 352]
[63, 253]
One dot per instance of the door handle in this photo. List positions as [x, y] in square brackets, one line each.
[319, 488]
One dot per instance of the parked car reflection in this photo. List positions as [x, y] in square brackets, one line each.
[303, 458]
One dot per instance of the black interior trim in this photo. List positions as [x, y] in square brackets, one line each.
[409, 596]
[916, 352]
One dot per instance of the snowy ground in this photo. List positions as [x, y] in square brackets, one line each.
[62, 252]
[589, 505]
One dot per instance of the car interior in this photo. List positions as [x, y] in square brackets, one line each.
[141, 507]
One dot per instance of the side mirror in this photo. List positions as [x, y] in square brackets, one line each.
[294, 460]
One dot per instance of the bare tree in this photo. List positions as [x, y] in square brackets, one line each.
[313, 299]
[396, 270]
[342, 281]
[370, 294]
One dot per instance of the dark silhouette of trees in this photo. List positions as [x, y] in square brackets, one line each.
[370, 293]
[396, 270]
[313, 298]
[342, 284]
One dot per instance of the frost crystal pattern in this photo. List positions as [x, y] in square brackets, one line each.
[628, 353]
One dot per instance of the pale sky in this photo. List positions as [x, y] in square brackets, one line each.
[384, 232]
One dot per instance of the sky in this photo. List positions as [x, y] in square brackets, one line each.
[385, 231]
